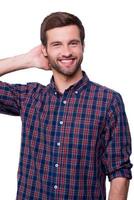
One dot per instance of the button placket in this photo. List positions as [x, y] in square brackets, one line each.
[60, 123]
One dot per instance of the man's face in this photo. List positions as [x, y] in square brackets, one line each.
[64, 49]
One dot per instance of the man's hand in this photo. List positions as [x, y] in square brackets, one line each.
[37, 59]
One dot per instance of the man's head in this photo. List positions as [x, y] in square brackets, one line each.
[62, 36]
[60, 19]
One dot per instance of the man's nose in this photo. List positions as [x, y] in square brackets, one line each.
[66, 51]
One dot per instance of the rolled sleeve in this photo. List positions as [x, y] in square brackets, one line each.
[116, 157]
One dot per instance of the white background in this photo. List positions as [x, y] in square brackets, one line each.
[108, 60]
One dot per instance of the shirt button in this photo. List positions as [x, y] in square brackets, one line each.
[64, 102]
[55, 93]
[61, 122]
[58, 144]
[76, 92]
[55, 187]
[56, 165]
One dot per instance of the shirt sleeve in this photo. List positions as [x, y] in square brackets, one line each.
[116, 157]
[11, 97]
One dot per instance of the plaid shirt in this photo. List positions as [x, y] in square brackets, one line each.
[70, 141]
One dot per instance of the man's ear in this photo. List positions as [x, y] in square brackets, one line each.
[44, 51]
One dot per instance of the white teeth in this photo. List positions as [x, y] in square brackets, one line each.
[66, 61]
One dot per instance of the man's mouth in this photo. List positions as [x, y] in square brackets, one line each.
[68, 61]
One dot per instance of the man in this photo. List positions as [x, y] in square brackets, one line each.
[74, 132]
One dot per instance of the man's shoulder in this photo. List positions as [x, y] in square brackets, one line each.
[33, 85]
[97, 86]
[103, 91]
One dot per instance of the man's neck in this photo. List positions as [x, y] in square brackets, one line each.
[63, 82]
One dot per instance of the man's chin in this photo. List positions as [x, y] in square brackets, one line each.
[69, 72]
[66, 71]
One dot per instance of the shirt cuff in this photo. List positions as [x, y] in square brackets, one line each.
[125, 173]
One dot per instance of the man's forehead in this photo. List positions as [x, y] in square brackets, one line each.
[63, 32]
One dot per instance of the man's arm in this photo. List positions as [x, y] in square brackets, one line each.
[34, 58]
[119, 189]
[116, 157]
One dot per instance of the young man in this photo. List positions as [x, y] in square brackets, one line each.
[74, 132]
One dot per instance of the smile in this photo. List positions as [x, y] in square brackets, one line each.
[67, 61]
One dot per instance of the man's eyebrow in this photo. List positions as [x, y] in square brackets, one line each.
[74, 40]
[59, 42]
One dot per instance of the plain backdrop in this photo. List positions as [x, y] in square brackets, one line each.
[108, 60]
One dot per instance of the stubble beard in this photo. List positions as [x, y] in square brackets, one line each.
[62, 70]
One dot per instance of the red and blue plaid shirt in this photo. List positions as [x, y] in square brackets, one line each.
[71, 141]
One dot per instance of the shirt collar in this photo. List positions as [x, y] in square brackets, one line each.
[76, 87]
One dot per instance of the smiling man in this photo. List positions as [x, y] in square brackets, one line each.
[74, 131]
[64, 51]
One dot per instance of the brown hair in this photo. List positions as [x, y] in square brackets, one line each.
[59, 19]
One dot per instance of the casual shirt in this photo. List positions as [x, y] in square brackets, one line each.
[70, 141]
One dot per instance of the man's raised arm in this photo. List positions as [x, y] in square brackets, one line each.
[34, 58]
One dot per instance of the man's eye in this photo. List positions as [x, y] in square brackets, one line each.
[74, 43]
[56, 44]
